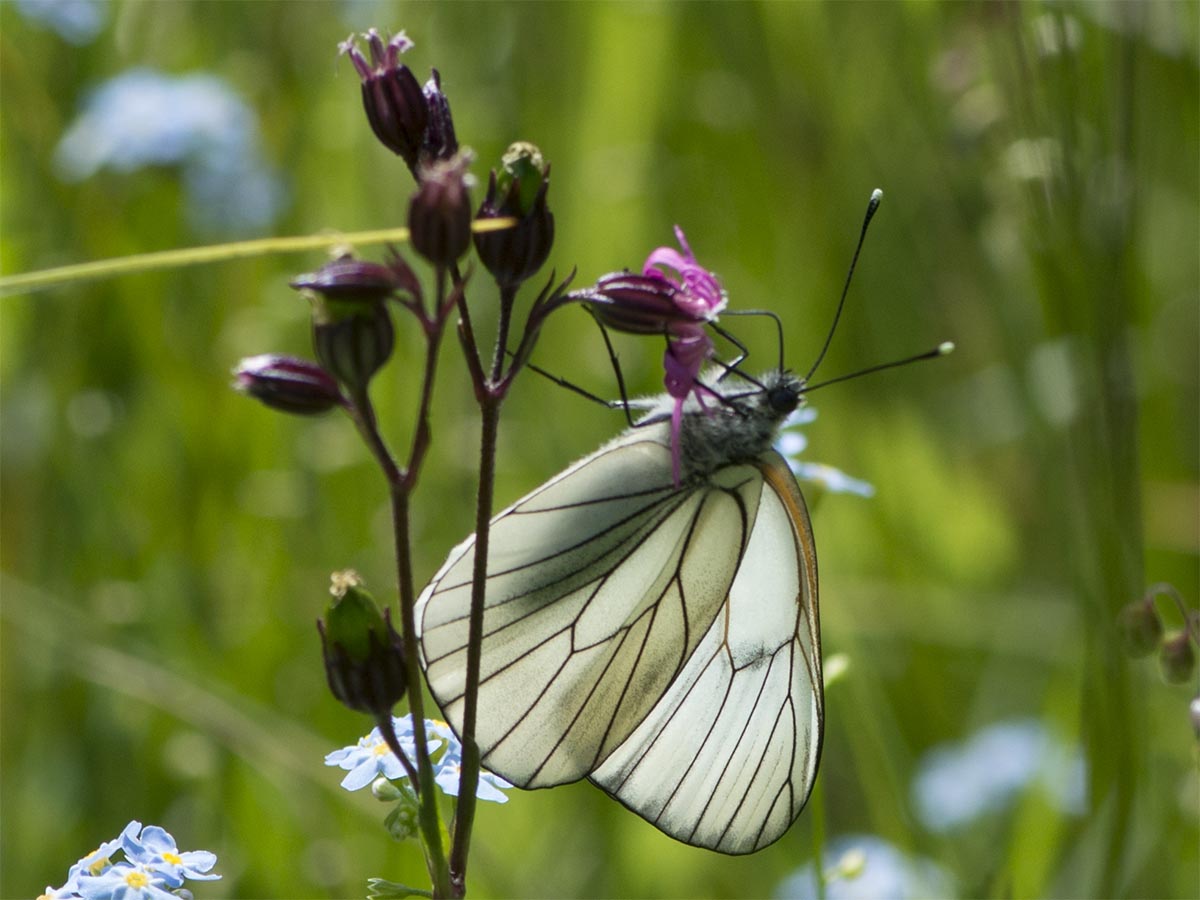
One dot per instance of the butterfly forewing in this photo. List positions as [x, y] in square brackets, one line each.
[727, 757]
[600, 586]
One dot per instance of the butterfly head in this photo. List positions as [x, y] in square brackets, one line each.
[740, 425]
[783, 393]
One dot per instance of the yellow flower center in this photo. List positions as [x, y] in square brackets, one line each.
[172, 858]
[137, 879]
[381, 749]
[99, 864]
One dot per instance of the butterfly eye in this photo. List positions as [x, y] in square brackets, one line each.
[783, 398]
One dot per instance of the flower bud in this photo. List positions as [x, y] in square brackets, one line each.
[1177, 658]
[352, 328]
[386, 790]
[635, 304]
[439, 216]
[1194, 715]
[439, 141]
[403, 821]
[392, 97]
[1141, 627]
[347, 278]
[288, 384]
[354, 344]
[517, 190]
[364, 658]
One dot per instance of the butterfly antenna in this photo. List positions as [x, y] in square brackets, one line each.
[732, 369]
[751, 312]
[872, 205]
[940, 350]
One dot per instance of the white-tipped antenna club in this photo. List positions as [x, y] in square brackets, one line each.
[940, 350]
[872, 205]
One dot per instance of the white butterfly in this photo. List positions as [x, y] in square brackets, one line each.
[660, 639]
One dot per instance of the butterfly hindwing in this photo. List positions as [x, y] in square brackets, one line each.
[727, 757]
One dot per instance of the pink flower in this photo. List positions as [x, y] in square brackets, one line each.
[682, 361]
[698, 293]
[699, 297]
[674, 296]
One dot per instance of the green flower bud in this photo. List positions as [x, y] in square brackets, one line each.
[522, 164]
[353, 616]
[364, 658]
[386, 790]
[1141, 627]
[1177, 658]
[402, 821]
[352, 328]
[517, 190]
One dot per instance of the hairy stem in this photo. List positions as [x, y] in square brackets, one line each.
[507, 296]
[421, 432]
[464, 816]
[399, 487]
[490, 393]
[430, 822]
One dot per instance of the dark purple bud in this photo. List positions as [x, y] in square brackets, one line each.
[352, 328]
[1141, 627]
[392, 97]
[1177, 658]
[636, 304]
[352, 340]
[439, 216]
[364, 656]
[287, 383]
[439, 141]
[348, 278]
[517, 190]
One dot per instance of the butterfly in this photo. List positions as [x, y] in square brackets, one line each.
[656, 635]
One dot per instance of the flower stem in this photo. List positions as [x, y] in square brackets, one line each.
[817, 804]
[400, 484]
[464, 815]
[388, 730]
[25, 282]
[507, 296]
[490, 393]
[431, 831]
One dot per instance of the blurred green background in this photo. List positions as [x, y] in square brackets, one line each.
[167, 543]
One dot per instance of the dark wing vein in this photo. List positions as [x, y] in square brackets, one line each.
[578, 641]
[726, 759]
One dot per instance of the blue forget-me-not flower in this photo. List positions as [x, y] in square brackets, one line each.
[371, 758]
[792, 443]
[196, 122]
[153, 866]
[958, 783]
[866, 867]
[75, 21]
